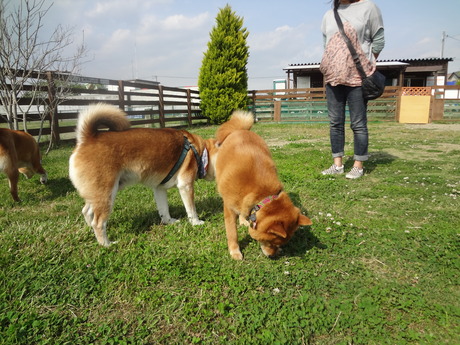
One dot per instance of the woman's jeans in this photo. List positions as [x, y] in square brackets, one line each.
[337, 97]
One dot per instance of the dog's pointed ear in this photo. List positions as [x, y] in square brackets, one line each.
[277, 230]
[304, 220]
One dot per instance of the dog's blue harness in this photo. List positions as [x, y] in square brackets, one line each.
[187, 146]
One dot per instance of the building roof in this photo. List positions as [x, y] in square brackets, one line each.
[380, 63]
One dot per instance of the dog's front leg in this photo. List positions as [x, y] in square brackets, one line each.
[44, 178]
[161, 198]
[187, 194]
[232, 234]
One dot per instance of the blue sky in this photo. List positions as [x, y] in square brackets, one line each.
[165, 40]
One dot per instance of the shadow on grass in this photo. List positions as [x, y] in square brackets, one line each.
[301, 242]
[33, 192]
[142, 221]
[59, 187]
[376, 159]
[210, 206]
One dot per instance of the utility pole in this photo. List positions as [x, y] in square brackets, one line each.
[443, 40]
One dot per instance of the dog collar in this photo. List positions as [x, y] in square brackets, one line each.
[252, 216]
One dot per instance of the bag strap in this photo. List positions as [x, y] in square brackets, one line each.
[352, 49]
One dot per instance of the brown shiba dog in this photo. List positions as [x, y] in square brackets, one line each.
[103, 162]
[19, 153]
[248, 183]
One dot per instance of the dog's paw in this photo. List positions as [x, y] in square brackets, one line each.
[236, 255]
[169, 221]
[106, 243]
[196, 222]
[243, 221]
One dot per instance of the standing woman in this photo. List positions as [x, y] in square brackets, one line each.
[363, 24]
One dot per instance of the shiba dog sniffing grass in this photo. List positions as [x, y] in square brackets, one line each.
[105, 161]
[248, 183]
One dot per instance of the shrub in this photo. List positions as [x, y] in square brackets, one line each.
[223, 79]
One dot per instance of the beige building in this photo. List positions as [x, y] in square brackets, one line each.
[400, 72]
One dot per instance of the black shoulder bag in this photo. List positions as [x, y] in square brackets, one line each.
[373, 85]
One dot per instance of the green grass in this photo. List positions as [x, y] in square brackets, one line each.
[379, 265]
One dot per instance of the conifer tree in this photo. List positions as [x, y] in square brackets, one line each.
[223, 79]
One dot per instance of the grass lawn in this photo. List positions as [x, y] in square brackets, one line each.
[379, 265]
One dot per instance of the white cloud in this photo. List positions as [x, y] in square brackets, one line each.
[181, 22]
[269, 40]
[168, 37]
[107, 8]
[114, 47]
[425, 41]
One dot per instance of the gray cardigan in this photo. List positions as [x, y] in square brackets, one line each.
[366, 19]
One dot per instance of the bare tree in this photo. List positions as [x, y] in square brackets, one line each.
[26, 59]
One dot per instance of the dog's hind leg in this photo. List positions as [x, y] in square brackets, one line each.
[98, 210]
[161, 199]
[8, 164]
[13, 178]
[99, 225]
[187, 194]
[88, 213]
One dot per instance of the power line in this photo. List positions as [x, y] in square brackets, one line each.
[443, 40]
[453, 37]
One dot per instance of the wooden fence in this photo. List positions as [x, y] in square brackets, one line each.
[153, 105]
[146, 104]
[310, 104]
[446, 103]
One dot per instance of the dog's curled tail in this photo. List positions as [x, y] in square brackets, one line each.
[100, 115]
[240, 120]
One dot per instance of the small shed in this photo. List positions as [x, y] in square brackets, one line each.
[398, 72]
[454, 78]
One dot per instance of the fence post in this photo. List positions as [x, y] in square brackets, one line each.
[277, 111]
[398, 103]
[437, 106]
[189, 107]
[52, 108]
[161, 106]
[121, 95]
